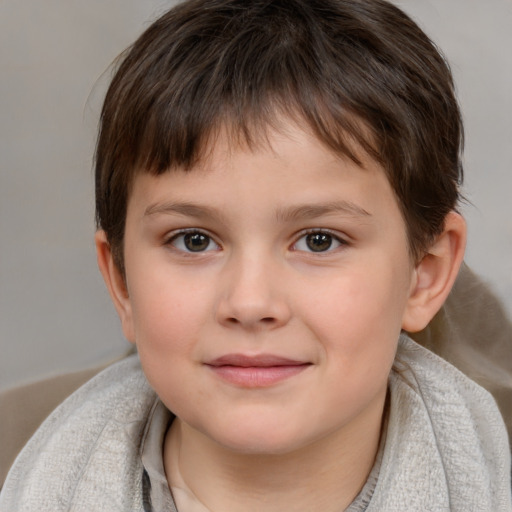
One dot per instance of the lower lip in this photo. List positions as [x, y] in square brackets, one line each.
[257, 376]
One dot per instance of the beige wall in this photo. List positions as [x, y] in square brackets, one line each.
[54, 312]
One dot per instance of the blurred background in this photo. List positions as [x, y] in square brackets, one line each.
[55, 314]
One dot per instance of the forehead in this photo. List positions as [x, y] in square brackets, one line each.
[286, 169]
[259, 130]
[273, 135]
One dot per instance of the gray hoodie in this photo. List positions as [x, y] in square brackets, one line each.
[446, 447]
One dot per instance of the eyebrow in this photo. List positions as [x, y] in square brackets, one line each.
[286, 214]
[312, 211]
[181, 208]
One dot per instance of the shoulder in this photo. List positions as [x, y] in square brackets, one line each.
[89, 442]
[473, 332]
[446, 445]
[452, 400]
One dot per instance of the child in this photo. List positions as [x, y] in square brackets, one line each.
[276, 187]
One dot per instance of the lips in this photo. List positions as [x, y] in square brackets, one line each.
[256, 371]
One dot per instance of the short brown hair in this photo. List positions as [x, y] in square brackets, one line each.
[351, 70]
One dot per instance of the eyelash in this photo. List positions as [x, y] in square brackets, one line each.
[171, 241]
[332, 239]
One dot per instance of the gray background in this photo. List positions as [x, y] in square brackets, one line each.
[54, 55]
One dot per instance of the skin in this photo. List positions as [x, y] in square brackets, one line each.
[257, 286]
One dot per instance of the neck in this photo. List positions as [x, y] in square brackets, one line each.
[324, 475]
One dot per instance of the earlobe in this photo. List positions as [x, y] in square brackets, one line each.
[115, 282]
[435, 274]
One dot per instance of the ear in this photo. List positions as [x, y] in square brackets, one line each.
[116, 284]
[435, 274]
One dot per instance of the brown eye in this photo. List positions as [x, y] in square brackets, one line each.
[319, 242]
[193, 241]
[196, 242]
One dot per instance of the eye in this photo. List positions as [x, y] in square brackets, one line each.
[193, 241]
[318, 241]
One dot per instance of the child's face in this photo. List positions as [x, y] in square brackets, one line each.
[266, 291]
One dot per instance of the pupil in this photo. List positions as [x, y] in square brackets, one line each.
[319, 242]
[196, 242]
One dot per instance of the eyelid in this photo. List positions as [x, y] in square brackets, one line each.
[343, 240]
[173, 235]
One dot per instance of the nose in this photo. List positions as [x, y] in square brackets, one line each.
[253, 295]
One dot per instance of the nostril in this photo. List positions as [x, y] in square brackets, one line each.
[265, 320]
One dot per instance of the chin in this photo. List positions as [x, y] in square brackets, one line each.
[260, 439]
[261, 447]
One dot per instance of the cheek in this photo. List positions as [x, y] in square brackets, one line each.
[167, 314]
[168, 326]
[354, 321]
[358, 316]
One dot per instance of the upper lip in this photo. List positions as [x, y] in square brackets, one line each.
[247, 361]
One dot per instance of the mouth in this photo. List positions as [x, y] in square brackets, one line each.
[256, 371]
